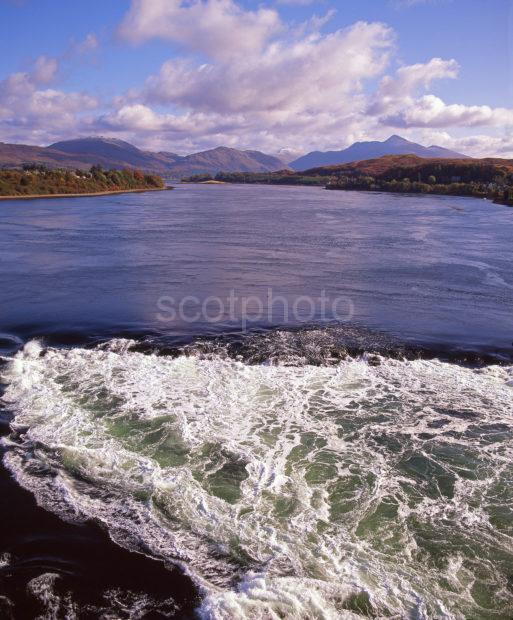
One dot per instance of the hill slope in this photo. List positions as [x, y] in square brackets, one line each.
[395, 145]
[414, 167]
[19, 154]
[227, 160]
[115, 154]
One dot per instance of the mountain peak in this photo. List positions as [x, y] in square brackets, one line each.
[395, 139]
[394, 145]
[76, 144]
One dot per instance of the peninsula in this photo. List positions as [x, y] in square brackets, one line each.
[36, 181]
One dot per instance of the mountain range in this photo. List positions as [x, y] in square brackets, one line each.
[113, 153]
[395, 145]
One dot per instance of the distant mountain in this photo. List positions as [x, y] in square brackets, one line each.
[19, 154]
[113, 153]
[108, 147]
[227, 160]
[395, 145]
[269, 162]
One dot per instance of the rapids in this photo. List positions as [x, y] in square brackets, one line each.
[374, 487]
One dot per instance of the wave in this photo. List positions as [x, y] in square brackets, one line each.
[314, 345]
[288, 482]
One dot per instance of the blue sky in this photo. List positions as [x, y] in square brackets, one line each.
[282, 76]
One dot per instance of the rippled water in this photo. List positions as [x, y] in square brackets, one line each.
[431, 269]
[339, 470]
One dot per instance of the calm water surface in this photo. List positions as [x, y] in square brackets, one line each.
[430, 269]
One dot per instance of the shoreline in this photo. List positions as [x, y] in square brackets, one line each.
[86, 194]
[38, 540]
[497, 201]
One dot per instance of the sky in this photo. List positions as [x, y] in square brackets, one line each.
[282, 76]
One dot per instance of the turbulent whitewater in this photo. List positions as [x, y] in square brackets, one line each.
[370, 487]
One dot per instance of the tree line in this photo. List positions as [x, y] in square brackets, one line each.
[282, 177]
[36, 179]
[487, 178]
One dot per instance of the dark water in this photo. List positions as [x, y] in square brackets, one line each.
[398, 273]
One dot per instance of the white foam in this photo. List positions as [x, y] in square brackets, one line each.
[42, 588]
[5, 560]
[292, 492]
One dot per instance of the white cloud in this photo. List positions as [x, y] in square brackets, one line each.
[27, 108]
[477, 145]
[316, 22]
[394, 93]
[185, 131]
[286, 78]
[485, 146]
[217, 28]
[420, 75]
[87, 45]
[195, 130]
[45, 70]
[396, 102]
[431, 111]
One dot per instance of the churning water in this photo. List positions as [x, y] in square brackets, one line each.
[371, 487]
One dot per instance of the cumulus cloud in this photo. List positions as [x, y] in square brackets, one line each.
[217, 28]
[186, 131]
[286, 77]
[398, 105]
[431, 111]
[394, 93]
[411, 77]
[27, 105]
[483, 145]
[477, 145]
